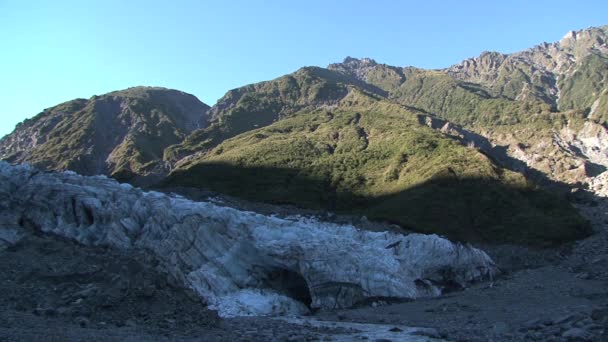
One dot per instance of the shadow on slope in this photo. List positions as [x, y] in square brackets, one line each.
[462, 209]
[499, 154]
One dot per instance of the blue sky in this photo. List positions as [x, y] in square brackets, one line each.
[53, 51]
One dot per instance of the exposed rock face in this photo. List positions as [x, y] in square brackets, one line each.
[122, 133]
[242, 263]
[589, 141]
[466, 137]
[355, 67]
[541, 72]
[574, 154]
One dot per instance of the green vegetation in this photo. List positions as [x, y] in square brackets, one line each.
[122, 133]
[262, 104]
[368, 155]
[387, 78]
[585, 86]
[375, 159]
[348, 138]
[462, 103]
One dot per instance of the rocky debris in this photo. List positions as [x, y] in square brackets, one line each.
[359, 68]
[92, 287]
[9, 237]
[515, 308]
[242, 263]
[572, 327]
[577, 156]
[554, 294]
[19, 326]
[589, 141]
[351, 331]
[589, 257]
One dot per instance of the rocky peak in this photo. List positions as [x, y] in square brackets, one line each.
[479, 69]
[356, 67]
[359, 61]
[568, 37]
[516, 75]
[550, 57]
[583, 41]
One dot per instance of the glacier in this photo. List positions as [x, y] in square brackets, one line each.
[239, 262]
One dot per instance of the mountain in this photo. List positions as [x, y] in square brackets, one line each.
[375, 158]
[565, 75]
[569, 74]
[122, 133]
[257, 105]
[477, 151]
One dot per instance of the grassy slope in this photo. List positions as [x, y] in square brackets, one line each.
[470, 103]
[372, 157]
[460, 102]
[66, 140]
[263, 103]
[587, 83]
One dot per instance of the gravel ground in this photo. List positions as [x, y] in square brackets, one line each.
[544, 295]
[52, 289]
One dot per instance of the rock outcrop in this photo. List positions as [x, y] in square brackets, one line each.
[242, 263]
[576, 154]
[359, 68]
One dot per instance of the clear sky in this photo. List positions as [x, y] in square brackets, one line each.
[53, 51]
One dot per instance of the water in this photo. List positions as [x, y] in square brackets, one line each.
[366, 331]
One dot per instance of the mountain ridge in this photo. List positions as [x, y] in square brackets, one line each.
[359, 136]
[117, 133]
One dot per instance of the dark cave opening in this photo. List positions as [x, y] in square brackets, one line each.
[291, 284]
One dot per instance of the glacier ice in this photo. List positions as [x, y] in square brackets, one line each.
[239, 262]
